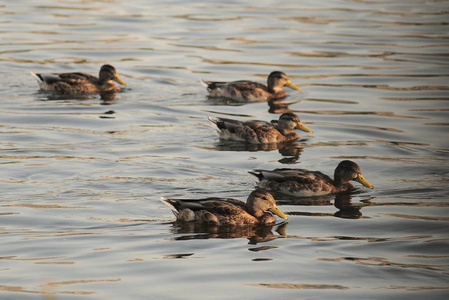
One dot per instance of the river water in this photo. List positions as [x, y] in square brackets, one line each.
[81, 177]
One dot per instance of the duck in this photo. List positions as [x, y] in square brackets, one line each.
[251, 91]
[305, 183]
[80, 83]
[257, 210]
[260, 132]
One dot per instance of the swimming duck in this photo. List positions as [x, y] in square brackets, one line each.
[80, 83]
[227, 211]
[305, 183]
[260, 132]
[250, 91]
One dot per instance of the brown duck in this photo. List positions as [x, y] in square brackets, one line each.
[80, 83]
[305, 183]
[260, 132]
[257, 210]
[251, 91]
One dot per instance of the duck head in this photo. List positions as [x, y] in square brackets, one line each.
[108, 72]
[291, 121]
[260, 201]
[276, 80]
[348, 170]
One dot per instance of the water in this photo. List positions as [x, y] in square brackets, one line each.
[81, 177]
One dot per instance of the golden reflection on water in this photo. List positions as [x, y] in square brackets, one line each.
[341, 287]
[301, 286]
[389, 114]
[381, 262]
[46, 292]
[414, 217]
[417, 288]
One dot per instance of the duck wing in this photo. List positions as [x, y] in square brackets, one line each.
[255, 124]
[241, 85]
[295, 182]
[299, 175]
[214, 205]
[241, 90]
[224, 207]
[235, 130]
[224, 123]
[77, 78]
[205, 203]
[63, 79]
[247, 85]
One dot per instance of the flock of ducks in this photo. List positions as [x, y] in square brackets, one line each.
[260, 205]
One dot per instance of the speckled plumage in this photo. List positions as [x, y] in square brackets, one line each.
[250, 91]
[80, 83]
[260, 132]
[227, 211]
[305, 183]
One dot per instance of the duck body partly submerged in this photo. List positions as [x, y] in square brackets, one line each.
[80, 83]
[305, 183]
[251, 91]
[260, 132]
[227, 211]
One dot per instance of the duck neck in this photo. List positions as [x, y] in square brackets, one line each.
[255, 213]
[103, 81]
[341, 184]
[281, 94]
[290, 136]
[275, 89]
[337, 181]
[266, 219]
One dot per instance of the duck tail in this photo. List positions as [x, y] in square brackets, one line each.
[221, 125]
[170, 203]
[38, 77]
[213, 120]
[257, 173]
[205, 83]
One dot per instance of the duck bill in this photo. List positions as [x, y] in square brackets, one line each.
[275, 210]
[116, 78]
[303, 128]
[363, 181]
[292, 86]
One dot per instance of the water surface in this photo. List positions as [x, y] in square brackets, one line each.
[81, 177]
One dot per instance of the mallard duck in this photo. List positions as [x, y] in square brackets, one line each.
[250, 91]
[227, 211]
[80, 83]
[305, 183]
[260, 132]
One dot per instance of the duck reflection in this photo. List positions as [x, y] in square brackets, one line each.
[290, 151]
[255, 234]
[280, 107]
[347, 209]
[106, 98]
[342, 201]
